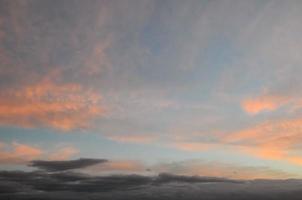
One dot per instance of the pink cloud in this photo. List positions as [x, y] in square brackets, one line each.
[46, 103]
[272, 140]
[18, 153]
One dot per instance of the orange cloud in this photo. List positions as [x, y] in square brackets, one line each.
[262, 103]
[287, 130]
[274, 140]
[60, 106]
[295, 160]
[18, 153]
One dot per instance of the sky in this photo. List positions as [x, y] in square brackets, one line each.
[208, 88]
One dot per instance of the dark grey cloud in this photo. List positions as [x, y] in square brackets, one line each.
[69, 185]
[65, 165]
[167, 178]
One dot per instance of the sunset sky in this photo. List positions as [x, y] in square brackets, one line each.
[209, 88]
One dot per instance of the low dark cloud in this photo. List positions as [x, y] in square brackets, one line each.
[66, 165]
[167, 178]
[70, 185]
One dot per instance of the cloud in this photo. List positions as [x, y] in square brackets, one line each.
[65, 165]
[187, 168]
[272, 101]
[219, 169]
[74, 182]
[263, 103]
[166, 178]
[18, 153]
[273, 139]
[48, 104]
[45, 62]
[39, 185]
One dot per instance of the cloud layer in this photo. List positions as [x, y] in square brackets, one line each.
[40, 185]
